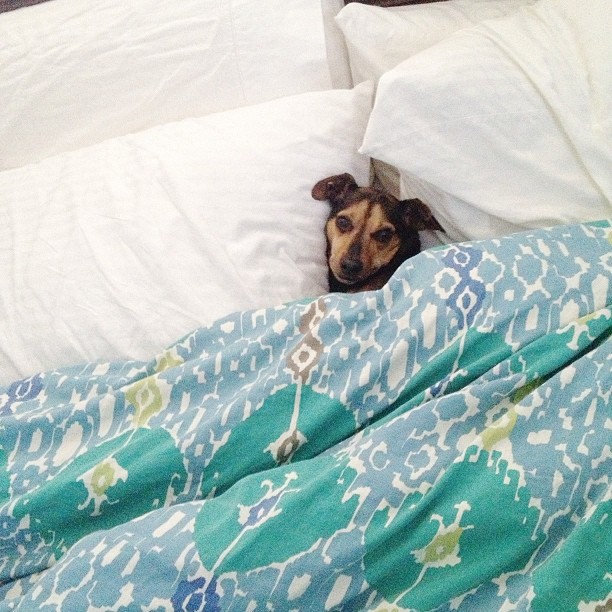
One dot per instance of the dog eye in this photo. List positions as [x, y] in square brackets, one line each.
[344, 224]
[384, 235]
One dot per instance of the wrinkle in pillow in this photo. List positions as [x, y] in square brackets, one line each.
[119, 249]
[73, 74]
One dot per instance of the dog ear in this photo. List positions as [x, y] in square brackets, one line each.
[335, 188]
[417, 216]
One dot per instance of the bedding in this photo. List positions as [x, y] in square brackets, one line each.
[526, 140]
[71, 77]
[119, 248]
[442, 443]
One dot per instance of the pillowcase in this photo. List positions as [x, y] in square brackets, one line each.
[510, 118]
[119, 249]
[71, 77]
[378, 39]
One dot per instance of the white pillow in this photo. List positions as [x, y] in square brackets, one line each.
[511, 118]
[118, 249]
[378, 39]
[73, 74]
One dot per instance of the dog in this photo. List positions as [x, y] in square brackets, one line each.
[369, 232]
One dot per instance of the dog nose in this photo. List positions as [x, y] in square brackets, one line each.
[351, 267]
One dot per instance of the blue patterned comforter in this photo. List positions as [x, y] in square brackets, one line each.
[443, 443]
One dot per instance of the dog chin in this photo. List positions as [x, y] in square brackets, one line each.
[354, 279]
[347, 281]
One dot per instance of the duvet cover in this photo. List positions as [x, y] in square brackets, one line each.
[443, 443]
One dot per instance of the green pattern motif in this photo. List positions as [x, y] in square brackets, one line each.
[441, 532]
[95, 486]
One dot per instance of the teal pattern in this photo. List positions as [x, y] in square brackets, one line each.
[440, 444]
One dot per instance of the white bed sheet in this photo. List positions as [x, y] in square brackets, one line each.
[118, 249]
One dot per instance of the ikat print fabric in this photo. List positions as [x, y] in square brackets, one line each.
[440, 444]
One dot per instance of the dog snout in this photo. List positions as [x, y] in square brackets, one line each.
[351, 267]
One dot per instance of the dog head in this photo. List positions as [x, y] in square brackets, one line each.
[369, 232]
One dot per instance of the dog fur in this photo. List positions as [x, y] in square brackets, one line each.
[369, 232]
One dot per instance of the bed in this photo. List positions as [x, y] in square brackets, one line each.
[190, 421]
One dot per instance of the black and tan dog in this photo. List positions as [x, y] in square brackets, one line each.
[369, 232]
